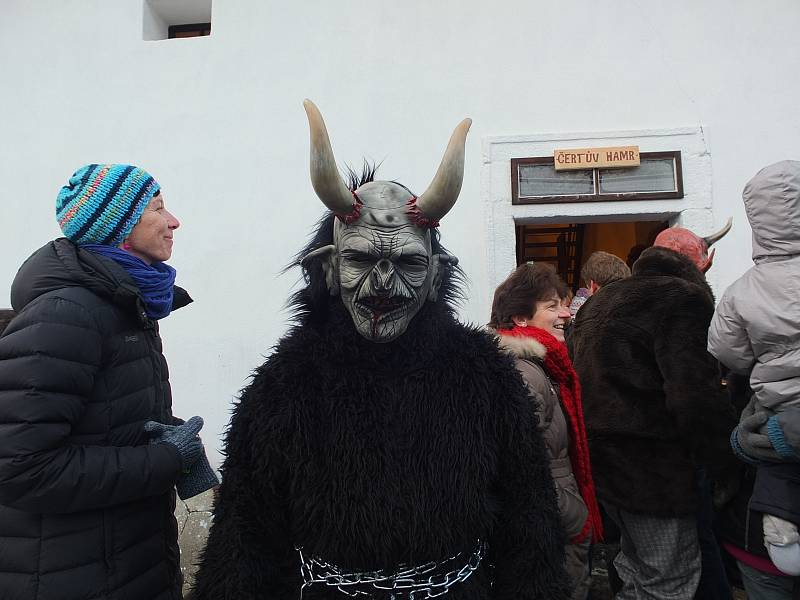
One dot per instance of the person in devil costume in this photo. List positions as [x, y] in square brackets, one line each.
[384, 450]
[657, 418]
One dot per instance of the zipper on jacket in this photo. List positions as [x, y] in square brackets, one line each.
[747, 527]
[147, 322]
[107, 542]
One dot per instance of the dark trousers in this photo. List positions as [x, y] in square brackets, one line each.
[713, 579]
[763, 586]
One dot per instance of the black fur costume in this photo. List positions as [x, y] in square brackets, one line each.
[372, 455]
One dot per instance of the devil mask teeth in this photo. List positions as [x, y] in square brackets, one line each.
[382, 304]
[381, 263]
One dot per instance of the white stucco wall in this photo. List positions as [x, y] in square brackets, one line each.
[219, 122]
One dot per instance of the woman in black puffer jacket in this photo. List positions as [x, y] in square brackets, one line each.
[86, 494]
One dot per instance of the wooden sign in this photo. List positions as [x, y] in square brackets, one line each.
[591, 158]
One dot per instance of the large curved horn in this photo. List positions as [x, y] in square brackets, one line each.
[443, 191]
[715, 237]
[324, 175]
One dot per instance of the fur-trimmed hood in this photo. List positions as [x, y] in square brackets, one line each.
[665, 261]
[522, 347]
[656, 261]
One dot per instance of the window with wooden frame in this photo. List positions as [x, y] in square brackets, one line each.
[173, 19]
[189, 30]
[536, 181]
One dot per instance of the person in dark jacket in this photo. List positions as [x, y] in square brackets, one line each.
[90, 452]
[740, 525]
[654, 409]
[601, 268]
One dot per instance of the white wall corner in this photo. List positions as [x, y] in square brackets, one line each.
[159, 15]
[153, 26]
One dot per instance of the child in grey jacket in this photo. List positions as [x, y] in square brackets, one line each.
[756, 330]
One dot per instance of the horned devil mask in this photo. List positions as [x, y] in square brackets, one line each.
[692, 245]
[381, 261]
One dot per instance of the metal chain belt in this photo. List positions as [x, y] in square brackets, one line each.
[422, 582]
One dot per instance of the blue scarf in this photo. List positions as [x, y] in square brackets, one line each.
[155, 282]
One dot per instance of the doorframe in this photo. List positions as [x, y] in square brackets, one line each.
[694, 211]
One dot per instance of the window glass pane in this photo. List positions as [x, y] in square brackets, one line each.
[652, 175]
[544, 180]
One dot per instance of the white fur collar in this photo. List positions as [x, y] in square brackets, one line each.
[522, 347]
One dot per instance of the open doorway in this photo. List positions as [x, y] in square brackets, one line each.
[568, 245]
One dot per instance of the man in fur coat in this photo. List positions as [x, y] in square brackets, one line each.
[384, 450]
[654, 410]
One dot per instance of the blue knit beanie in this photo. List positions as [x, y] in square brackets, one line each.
[102, 203]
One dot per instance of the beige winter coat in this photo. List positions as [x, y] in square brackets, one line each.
[529, 357]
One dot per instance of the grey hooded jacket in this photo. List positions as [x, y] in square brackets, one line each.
[756, 326]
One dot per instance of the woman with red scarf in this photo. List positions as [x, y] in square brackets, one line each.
[529, 316]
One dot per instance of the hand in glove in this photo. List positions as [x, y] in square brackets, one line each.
[783, 544]
[783, 430]
[749, 443]
[199, 478]
[183, 437]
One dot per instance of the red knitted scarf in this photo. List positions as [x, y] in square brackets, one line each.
[559, 368]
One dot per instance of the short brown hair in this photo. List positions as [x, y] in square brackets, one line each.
[517, 295]
[604, 268]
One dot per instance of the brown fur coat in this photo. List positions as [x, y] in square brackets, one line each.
[652, 399]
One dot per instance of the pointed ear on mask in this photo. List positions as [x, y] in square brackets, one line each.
[327, 258]
[440, 263]
[708, 261]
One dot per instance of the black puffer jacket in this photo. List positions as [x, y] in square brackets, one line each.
[652, 396]
[85, 503]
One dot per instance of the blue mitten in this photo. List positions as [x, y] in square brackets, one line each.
[201, 477]
[750, 444]
[778, 439]
[183, 437]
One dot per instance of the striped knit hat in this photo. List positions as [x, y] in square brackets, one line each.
[102, 203]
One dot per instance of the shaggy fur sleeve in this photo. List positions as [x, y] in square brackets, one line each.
[249, 553]
[692, 382]
[528, 545]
